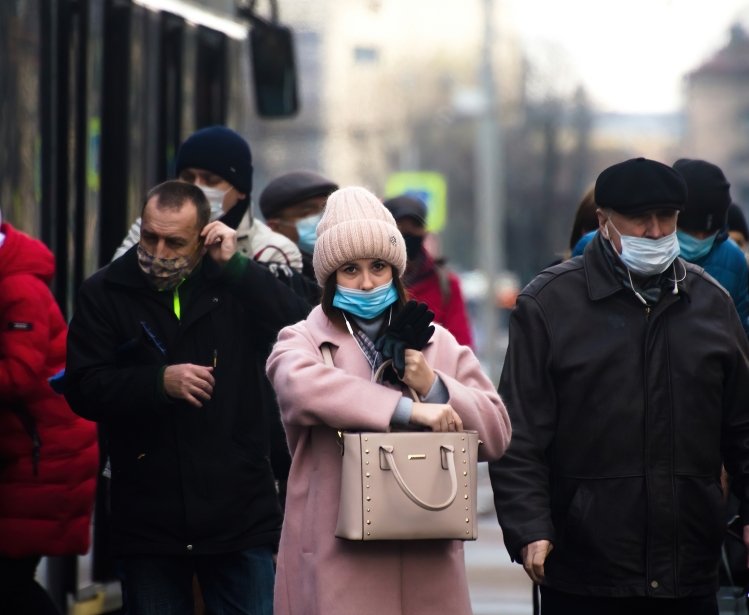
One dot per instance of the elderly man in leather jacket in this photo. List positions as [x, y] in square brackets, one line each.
[627, 382]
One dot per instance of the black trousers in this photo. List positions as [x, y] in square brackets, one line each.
[554, 602]
[20, 594]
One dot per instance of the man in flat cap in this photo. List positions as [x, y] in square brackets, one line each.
[292, 205]
[627, 382]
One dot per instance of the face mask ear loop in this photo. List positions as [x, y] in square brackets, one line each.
[675, 291]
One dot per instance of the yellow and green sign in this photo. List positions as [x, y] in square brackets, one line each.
[429, 186]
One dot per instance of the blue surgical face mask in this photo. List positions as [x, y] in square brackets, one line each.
[692, 248]
[645, 256]
[306, 228]
[365, 304]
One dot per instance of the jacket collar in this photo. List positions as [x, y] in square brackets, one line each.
[325, 331]
[602, 279]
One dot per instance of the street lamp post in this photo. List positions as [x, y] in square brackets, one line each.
[490, 192]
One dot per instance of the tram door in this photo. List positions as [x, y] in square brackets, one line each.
[95, 98]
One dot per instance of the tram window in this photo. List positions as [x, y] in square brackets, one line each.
[274, 69]
[170, 99]
[210, 93]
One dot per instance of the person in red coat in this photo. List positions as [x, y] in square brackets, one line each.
[48, 456]
[427, 280]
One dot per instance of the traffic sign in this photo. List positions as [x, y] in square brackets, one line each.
[429, 186]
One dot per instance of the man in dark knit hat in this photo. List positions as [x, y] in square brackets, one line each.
[627, 383]
[703, 231]
[219, 161]
[292, 205]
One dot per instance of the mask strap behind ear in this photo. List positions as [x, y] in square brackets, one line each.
[608, 232]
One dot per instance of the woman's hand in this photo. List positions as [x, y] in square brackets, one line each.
[438, 417]
[418, 375]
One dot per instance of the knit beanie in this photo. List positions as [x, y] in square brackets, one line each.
[708, 196]
[220, 150]
[407, 206]
[638, 185]
[292, 188]
[356, 225]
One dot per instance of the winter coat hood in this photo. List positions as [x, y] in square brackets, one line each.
[20, 253]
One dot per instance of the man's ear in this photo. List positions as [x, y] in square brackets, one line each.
[273, 224]
[602, 218]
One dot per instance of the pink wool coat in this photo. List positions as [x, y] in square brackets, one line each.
[319, 574]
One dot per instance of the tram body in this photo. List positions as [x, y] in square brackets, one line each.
[95, 98]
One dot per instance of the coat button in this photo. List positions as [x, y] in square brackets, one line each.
[654, 584]
[189, 547]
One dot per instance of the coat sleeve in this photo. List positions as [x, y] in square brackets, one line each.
[312, 393]
[96, 387]
[735, 427]
[520, 479]
[132, 237]
[24, 336]
[742, 291]
[473, 397]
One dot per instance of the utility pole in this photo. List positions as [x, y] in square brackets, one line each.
[490, 184]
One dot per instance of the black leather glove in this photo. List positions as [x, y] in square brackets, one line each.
[411, 328]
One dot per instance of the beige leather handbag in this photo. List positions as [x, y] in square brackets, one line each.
[407, 485]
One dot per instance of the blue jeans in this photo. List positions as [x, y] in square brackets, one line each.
[239, 583]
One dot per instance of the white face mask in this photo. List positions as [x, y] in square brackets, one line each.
[215, 197]
[647, 256]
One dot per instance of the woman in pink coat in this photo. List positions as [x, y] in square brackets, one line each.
[358, 259]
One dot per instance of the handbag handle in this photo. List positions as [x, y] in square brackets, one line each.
[387, 450]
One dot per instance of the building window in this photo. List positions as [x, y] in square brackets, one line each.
[366, 55]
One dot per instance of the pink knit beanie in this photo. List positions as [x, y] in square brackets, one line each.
[356, 225]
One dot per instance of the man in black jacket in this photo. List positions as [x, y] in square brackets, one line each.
[161, 353]
[627, 382]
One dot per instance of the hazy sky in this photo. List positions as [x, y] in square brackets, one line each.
[630, 54]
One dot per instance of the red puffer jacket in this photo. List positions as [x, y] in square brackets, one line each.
[48, 455]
